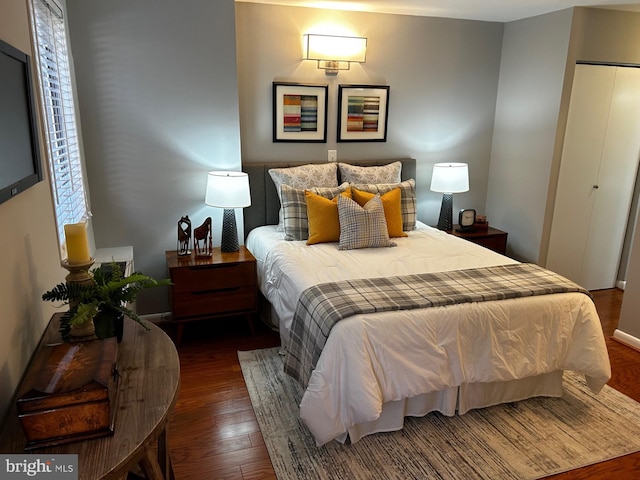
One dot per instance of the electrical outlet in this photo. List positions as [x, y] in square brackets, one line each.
[332, 155]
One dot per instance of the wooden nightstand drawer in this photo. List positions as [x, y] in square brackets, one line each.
[496, 243]
[223, 285]
[195, 279]
[491, 238]
[228, 301]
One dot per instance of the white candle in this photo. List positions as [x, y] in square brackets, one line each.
[77, 243]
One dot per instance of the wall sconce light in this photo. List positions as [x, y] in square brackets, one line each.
[333, 52]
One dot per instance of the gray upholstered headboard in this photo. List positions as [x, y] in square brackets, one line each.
[264, 197]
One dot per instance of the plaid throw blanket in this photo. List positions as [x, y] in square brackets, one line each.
[321, 306]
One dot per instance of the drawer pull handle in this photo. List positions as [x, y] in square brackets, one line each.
[208, 267]
[217, 290]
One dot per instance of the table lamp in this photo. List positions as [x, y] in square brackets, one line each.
[228, 190]
[449, 178]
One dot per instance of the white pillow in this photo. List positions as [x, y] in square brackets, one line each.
[362, 227]
[303, 176]
[391, 173]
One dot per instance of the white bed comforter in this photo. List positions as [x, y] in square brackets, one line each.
[370, 360]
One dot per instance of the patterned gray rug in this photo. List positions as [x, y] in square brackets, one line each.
[524, 440]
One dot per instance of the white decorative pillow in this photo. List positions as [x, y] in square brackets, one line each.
[391, 173]
[407, 204]
[362, 227]
[304, 176]
[294, 208]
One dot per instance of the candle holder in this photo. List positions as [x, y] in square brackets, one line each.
[79, 275]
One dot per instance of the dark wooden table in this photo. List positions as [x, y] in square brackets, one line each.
[147, 392]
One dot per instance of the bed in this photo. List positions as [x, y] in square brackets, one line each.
[375, 368]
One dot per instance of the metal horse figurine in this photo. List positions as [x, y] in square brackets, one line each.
[203, 233]
[184, 236]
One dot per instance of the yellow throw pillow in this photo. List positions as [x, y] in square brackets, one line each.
[391, 202]
[324, 224]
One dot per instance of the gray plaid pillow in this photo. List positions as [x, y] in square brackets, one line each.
[294, 208]
[407, 204]
[362, 227]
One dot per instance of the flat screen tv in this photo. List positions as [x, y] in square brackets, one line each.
[20, 164]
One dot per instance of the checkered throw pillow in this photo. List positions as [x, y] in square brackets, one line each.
[294, 208]
[362, 227]
[407, 204]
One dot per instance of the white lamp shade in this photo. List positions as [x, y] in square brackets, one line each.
[450, 178]
[228, 190]
[331, 47]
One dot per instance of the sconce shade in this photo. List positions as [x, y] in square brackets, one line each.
[228, 190]
[450, 178]
[334, 52]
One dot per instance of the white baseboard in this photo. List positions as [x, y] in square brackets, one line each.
[621, 284]
[627, 339]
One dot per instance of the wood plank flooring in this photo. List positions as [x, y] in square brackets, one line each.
[213, 433]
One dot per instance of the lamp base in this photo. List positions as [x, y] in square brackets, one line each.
[229, 242]
[445, 222]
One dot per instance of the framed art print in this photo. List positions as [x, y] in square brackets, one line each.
[362, 113]
[299, 112]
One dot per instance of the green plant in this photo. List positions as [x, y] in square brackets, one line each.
[110, 290]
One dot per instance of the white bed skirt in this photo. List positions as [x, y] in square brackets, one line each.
[461, 400]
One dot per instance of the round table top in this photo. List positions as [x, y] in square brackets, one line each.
[147, 391]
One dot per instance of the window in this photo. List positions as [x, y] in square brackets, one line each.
[65, 166]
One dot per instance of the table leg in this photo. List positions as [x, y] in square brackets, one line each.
[164, 460]
[150, 467]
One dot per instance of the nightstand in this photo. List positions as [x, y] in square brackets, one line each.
[222, 285]
[491, 238]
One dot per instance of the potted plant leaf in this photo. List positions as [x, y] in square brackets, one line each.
[104, 301]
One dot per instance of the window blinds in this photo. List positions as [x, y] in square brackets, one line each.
[59, 114]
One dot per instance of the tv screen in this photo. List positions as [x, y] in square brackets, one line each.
[20, 166]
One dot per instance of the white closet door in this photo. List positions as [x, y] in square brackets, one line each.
[597, 174]
[584, 138]
[616, 181]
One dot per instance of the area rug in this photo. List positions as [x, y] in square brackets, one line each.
[525, 440]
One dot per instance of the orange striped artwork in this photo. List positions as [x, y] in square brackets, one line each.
[300, 113]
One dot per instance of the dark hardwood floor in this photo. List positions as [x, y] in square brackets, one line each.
[213, 432]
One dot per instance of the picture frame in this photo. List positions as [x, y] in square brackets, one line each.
[363, 113]
[300, 112]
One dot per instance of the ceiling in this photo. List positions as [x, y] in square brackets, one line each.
[488, 10]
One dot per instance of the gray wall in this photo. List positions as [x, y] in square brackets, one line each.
[629, 322]
[607, 35]
[443, 78]
[532, 74]
[158, 98]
